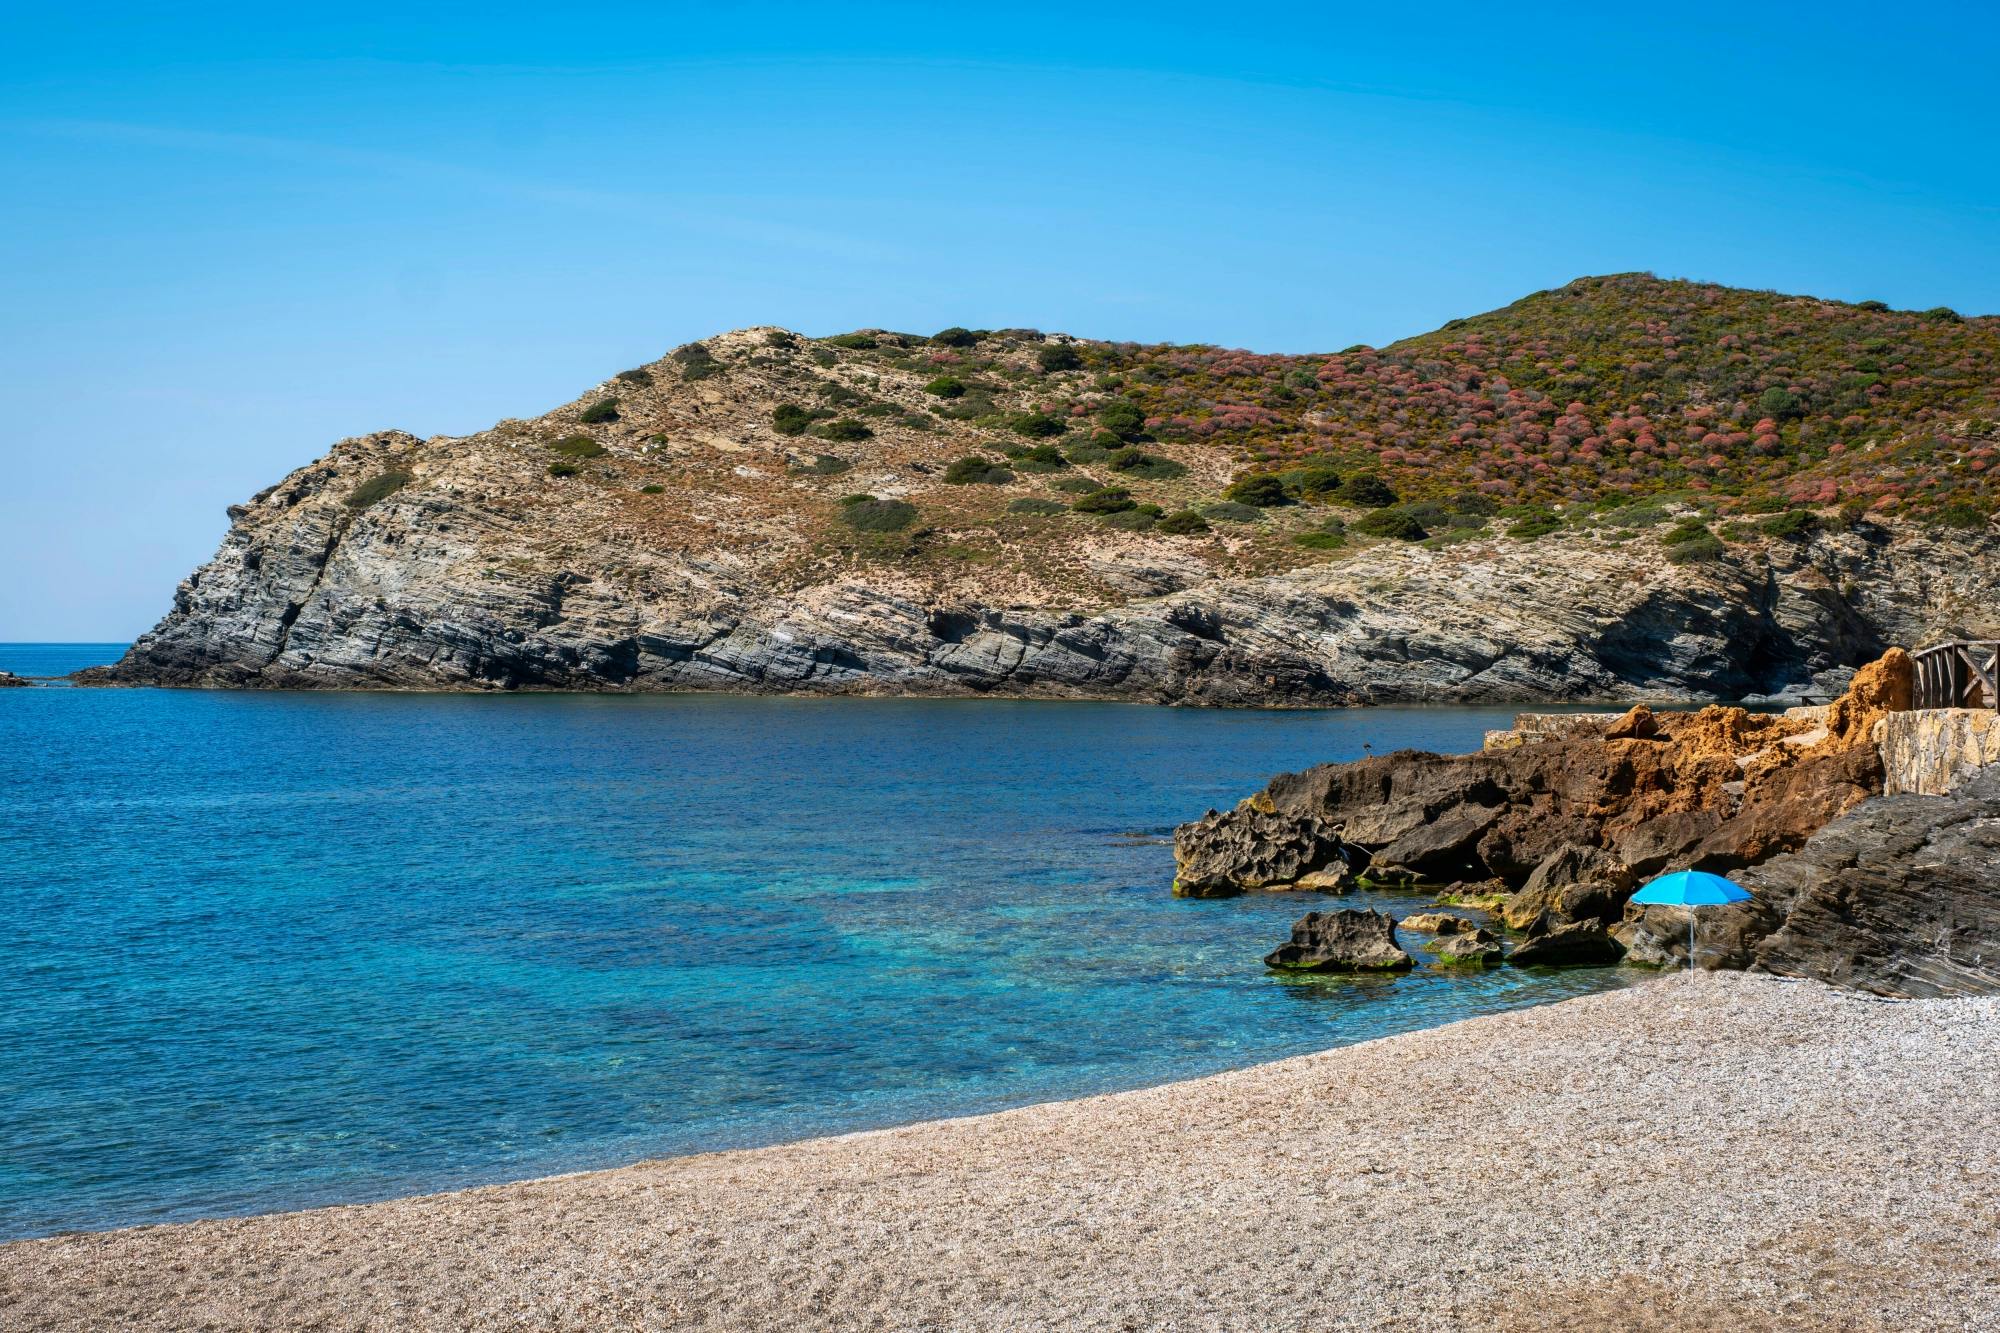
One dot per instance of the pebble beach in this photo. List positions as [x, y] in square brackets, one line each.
[1721, 1151]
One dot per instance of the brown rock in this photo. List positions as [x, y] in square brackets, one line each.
[1436, 923]
[1343, 941]
[1578, 943]
[1637, 725]
[1472, 948]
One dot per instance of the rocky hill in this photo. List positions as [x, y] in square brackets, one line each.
[1622, 488]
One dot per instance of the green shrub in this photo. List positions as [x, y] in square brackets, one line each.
[1474, 504]
[946, 386]
[1320, 541]
[1959, 515]
[955, 337]
[826, 465]
[1132, 520]
[641, 377]
[1038, 458]
[867, 514]
[1687, 530]
[1037, 425]
[1367, 491]
[1262, 489]
[1105, 500]
[1077, 485]
[1183, 523]
[1037, 506]
[844, 429]
[1392, 522]
[1871, 305]
[1091, 452]
[1790, 525]
[1534, 526]
[1699, 550]
[696, 362]
[1123, 418]
[1314, 483]
[561, 469]
[1148, 467]
[972, 470]
[790, 419]
[855, 342]
[654, 489]
[1229, 511]
[578, 446]
[1943, 314]
[377, 489]
[1780, 403]
[599, 412]
[1058, 356]
[780, 338]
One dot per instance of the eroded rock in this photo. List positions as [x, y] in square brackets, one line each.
[1343, 941]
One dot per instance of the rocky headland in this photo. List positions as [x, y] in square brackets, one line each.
[1549, 836]
[1747, 494]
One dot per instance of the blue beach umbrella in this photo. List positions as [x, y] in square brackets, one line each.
[1690, 889]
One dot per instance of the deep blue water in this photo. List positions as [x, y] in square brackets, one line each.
[274, 950]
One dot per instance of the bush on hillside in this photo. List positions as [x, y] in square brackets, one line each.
[954, 337]
[946, 386]
[790, 419]
[1395, 522]
[640, 377]
[377, 489]
[843, 429]
[1231, 512]
[599, 412]
[1147, 467]
[1037, 506]
[854, 342]
[1037, 425]
[1058, 356]
[577, 446]
[1263, 489]
[1105, 500]
[1183, 523]
[973, 470]
[696, 362]
[1367, 491]
[864, 513]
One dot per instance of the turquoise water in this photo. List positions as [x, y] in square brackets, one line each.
[275, 950]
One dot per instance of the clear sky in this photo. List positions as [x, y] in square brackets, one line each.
[233, 234]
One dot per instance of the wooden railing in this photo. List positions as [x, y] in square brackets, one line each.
[1958, 675]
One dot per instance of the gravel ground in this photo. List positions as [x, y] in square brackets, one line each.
[1714, 1152]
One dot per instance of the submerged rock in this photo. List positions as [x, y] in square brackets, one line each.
[1436, 923]
[1343, 941]
[1471, 948]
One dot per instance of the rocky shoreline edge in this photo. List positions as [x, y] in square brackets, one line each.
[1714, 1151]
[1529, 851]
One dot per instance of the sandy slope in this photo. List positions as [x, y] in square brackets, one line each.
[1728, 1152]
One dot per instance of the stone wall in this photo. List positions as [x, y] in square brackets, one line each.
[1930, 751]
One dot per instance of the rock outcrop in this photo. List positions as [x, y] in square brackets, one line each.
[1570, 826]
[672, 530]
[1900, 896]
[1343, 941]
[8, 680]
[1468, 948]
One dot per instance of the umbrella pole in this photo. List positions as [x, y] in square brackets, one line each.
[1690, 940]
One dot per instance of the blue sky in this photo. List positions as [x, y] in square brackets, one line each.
[235, 234]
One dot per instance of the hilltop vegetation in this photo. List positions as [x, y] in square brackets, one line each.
[1598, 393]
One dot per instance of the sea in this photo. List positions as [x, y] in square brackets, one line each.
[272, 950]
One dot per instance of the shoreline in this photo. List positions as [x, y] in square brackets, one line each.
[1725, 1149]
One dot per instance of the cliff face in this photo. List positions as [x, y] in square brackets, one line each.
[691, 525]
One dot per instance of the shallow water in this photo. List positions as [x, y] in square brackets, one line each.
[275, 950]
